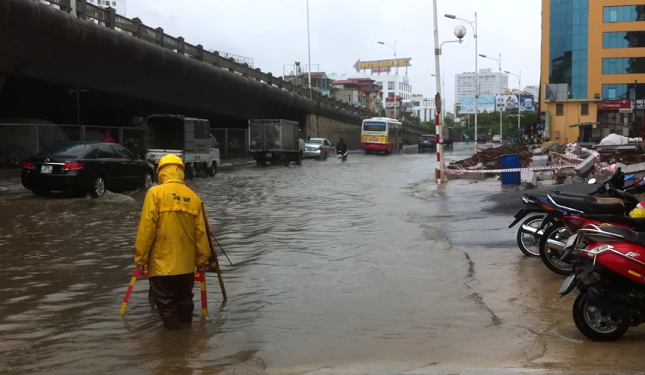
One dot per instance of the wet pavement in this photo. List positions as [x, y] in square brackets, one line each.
[360, 267]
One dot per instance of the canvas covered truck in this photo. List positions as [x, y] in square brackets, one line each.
[448, 135]
[275, 141]
[188, 138]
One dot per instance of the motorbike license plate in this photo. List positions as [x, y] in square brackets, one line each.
[567, 284]
[571, 240]
[46, 168]
[269, 154]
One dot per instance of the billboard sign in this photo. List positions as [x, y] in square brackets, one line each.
[485, 104]
[527, 102]
[380, 70]
[392, 63]
[507, 103]
[614, 105]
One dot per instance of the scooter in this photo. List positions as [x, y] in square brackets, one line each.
[609, 274]
[555, 243]
[342, 157]
[531, 230]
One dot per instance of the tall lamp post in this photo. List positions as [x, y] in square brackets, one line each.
[519, 100]
[499, 64]
[473, 24]
[396, 75]
[309, 52]
[460, 32]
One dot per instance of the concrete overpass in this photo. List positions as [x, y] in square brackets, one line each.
[58, 65]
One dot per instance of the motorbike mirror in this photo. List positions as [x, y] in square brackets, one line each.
[591, 181]
[629, 177]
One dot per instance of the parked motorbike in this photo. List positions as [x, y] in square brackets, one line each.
[342, 156]
[554, 251]
[532, 229]
[610, 275]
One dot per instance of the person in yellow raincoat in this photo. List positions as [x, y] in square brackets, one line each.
[171, 241]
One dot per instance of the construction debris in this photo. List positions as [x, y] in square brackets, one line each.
[489, 158]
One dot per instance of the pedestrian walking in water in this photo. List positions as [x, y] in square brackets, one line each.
[171, 241]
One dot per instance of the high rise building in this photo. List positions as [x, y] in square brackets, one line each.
[489, 84]
[592, 68]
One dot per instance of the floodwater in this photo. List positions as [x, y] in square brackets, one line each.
[353, 268]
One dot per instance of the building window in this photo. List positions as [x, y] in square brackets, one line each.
[569, 45]
[623, 91]
[114, 3]
[390, 85]
[559, 109]
[622, 39]
[626, 13]
[623, 65]
[584, 109]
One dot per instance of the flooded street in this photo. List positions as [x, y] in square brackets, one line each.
[353, 268]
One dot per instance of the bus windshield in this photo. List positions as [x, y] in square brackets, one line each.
[374, 126]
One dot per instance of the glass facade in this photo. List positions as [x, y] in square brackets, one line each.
[630, 39]
[569, 45]
[623, 65]
[625, 13]
[620, 91]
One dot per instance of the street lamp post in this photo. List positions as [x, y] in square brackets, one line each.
[396, 75]
[460, 32]
[499, 64]
[309, 52]
[519, 100]
[474, 26]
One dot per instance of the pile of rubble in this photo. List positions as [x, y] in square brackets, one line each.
[489, 158]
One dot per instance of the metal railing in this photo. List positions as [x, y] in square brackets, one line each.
[107, 17]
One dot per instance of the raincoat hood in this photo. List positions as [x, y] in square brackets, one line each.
[171, 173]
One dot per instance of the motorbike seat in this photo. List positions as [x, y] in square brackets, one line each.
[590, 207]
[638, 224]
[628, 234]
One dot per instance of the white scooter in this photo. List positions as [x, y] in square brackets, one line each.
[342, 157]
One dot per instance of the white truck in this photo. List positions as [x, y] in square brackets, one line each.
[188, 138]
[276, 140]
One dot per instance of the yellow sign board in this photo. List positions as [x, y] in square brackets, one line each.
[363, 65]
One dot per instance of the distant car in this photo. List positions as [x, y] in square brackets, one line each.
[497, 139]
[427, 141]
[86, 167]
[482, 138]
[319, 148]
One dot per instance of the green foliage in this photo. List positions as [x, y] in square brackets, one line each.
[488, 122]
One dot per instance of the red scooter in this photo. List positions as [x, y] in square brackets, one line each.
[610, 274]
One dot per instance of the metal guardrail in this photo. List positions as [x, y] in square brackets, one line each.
[108, 18]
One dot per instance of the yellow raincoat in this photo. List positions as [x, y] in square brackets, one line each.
[172, 237]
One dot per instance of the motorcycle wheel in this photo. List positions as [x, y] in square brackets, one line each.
[550, 256]
[596, 323]
[529, 243]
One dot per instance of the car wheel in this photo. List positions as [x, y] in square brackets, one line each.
[191, 171]
[212, 171]
[147, 181]
[98, 187]
[299, 158]
[324, 156]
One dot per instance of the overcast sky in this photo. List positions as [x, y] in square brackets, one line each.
[274, 33]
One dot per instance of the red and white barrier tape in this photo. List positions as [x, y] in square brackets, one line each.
[544, 168]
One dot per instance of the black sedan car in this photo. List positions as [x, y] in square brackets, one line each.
[83, 167]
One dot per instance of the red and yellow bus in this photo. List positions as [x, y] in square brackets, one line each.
[381, 134]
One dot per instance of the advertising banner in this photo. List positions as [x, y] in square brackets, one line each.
[527, 103]
[485, 104]
[507, 103]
